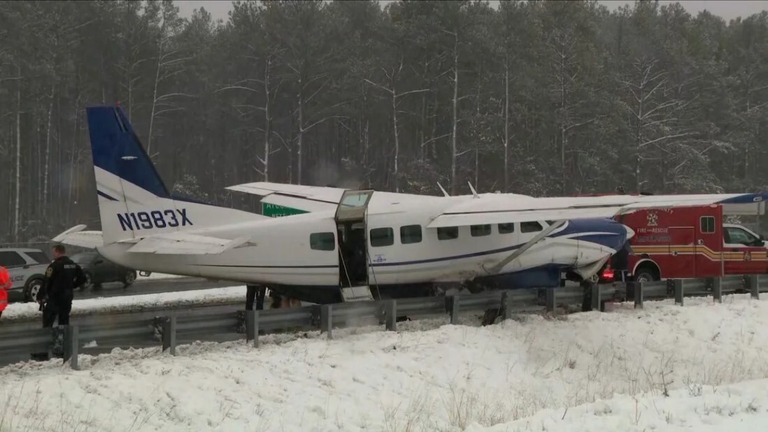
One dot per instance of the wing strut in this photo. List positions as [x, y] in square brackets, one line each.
[496, 268]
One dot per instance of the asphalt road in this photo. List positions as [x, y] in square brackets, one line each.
[153, 286]
[144, 286]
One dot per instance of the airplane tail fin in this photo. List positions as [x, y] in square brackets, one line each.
[133, 200]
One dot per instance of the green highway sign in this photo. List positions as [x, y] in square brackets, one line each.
[274, 210]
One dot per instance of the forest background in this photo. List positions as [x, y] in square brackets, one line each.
[542, 98]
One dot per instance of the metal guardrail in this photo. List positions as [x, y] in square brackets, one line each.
[219, 322]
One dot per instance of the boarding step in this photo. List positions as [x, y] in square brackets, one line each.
[356, 293]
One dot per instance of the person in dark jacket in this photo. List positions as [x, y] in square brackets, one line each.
[55, 296]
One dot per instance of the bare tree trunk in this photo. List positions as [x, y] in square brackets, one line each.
[506, 125]
[454, 154]
[17, 203]
[639, 138]
[563, 135]
[154, 97]
[47, 153]
[397, 140]
[300, 138]
[267, 120]
[366, 130]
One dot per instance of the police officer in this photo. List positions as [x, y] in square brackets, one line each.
[61, 279]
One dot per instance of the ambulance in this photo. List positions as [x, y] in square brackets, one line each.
[693, 242]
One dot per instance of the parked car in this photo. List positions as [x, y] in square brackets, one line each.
[27, 269]
[99, 270]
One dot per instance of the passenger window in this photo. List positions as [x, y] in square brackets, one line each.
[410, 234]
[39, 257]
[707, 224]
[480, 230]
[382, 237]
[448, 233]
[324, 241]
[739, 236]
[529, 227]
[11, 259]
[506, 228]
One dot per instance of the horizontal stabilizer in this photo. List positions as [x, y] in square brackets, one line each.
[77, 236]
[185, 244]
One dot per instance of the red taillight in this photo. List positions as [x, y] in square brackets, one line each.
[608, 274]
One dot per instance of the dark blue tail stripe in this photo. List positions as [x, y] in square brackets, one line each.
[117, 149]
[106, 196]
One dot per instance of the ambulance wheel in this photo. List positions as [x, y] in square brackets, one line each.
[646, 274]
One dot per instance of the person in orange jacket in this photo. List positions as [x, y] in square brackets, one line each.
[5, 285]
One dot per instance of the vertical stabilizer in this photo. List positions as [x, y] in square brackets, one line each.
[133, 200]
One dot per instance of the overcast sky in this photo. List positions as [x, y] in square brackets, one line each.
[727, 9]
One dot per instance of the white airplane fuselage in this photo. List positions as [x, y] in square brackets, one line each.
[281, 250]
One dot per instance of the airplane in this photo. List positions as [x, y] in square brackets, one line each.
[350, 244]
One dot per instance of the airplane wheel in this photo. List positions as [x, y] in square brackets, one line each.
[129, 278]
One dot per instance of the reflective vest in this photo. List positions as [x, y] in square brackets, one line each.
[5, 283]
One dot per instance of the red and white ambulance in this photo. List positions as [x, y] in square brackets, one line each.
[690, 242]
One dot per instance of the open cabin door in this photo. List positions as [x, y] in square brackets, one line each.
[353, 257]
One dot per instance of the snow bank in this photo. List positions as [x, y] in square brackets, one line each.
[587, 372]
[135, 302]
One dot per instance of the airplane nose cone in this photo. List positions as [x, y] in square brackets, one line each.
[630, 232]
[604, 232]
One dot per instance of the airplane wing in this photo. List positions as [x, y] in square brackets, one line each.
[312, 198]
[489, 209]
[183, 243]
[305, 198]
[77, 236]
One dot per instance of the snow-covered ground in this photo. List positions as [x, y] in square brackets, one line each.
[701, 367]
[135, 302]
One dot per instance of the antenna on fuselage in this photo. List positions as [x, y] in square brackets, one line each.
[474, 192]
[441, 188]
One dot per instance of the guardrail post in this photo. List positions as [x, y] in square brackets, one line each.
[390, 313]
[679, 291]
[506, 305]
[550, 299]
[453, 307]
[637, 293]
[326, 320]
[717, 289]
[169, 334]
[596, 300]
[754, 286]
[252, 327]
[71, 345]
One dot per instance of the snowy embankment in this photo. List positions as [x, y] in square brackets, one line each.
[701, 367]
[134, 302]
